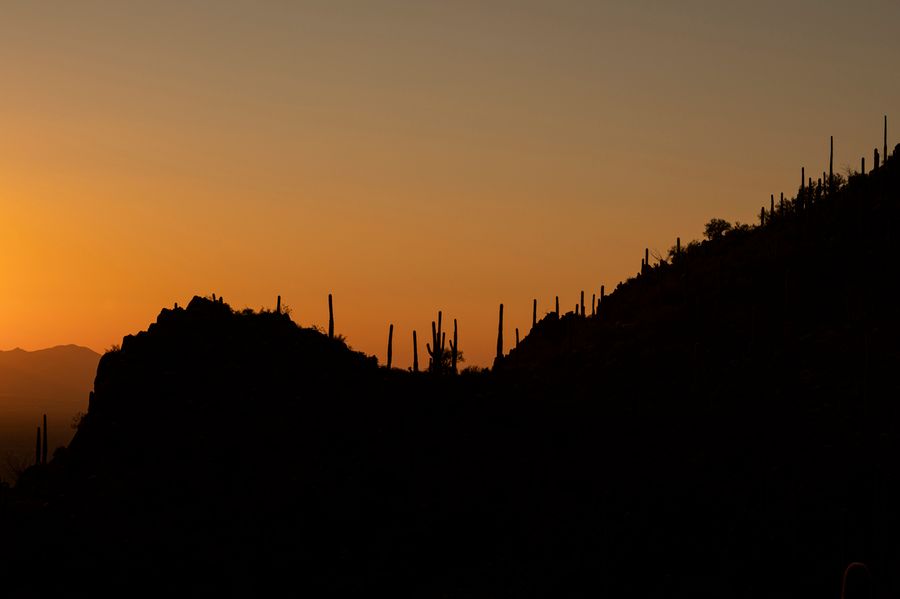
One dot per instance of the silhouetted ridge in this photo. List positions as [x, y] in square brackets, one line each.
[822, 264]
[724, 424]
[200, 371]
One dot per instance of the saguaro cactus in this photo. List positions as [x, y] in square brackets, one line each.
[278, 305]
[593, 304]
[330, 318]
[500, 335]
[772, 204]
[517, 336]
[677, 246]
[582, 302]
[436, 348]
[831, 164]
[762, 216]
[557, 306]
[454, 348]
[415, 353]
[862, 166]
[44, 444]
[390, 355]
[781, 203]
[533, 313]
[802, 177]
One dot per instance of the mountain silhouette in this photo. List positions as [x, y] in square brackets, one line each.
[54, 381]
[724, 424]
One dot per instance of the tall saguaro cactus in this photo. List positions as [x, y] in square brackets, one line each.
[557, 306]
[517, 336]
[390, 354]
[593, 304]
[436, 348]
[831, 164]
[582, 302]
[533, 313]
[415, 352]
[330, 318]
[278, 305]
[500, 335]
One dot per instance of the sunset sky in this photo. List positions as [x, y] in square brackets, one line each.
[406, 156]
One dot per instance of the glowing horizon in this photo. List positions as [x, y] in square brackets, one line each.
[408, 158]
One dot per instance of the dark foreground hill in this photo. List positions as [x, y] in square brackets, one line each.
[726, 426]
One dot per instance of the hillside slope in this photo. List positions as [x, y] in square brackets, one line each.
[726, 426]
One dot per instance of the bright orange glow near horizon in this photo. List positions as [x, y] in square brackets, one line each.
[406, 157]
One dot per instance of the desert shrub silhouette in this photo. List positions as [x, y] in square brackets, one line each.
[716, 229]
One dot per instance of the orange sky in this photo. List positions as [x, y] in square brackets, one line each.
[405, 156]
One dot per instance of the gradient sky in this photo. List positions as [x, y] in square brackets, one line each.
[405, 156]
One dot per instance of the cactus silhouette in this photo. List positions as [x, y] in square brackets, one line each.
[831, 164]
[436, 348]
[454, 348]
[415, 352]
[500, 335]
[44, 444]
[390, 352]
[330, 318]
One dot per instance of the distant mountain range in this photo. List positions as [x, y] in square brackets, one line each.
[54, 381]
